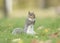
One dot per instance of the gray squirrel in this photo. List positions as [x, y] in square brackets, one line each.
[29, 25]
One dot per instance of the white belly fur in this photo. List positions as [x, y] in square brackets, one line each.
[30, 30]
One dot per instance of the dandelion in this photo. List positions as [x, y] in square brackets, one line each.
[46, 30]
[20, 41]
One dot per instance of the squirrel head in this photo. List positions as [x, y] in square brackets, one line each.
[31, 15]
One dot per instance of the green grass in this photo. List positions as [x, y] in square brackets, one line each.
[7, 25]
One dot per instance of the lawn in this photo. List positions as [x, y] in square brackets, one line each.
[49, 24]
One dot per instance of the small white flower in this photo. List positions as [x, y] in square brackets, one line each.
[58, 28]
[15, 40]
[6, 39]
[41, 27]
[36, 36]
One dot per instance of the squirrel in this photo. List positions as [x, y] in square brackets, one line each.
[29, 25]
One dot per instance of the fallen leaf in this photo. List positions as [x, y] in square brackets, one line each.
[54, 35]
[58, 41]
[41, 41]
[48, 41]
[34, 41]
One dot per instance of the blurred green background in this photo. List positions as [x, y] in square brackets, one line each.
[20, 8]
[47, 15]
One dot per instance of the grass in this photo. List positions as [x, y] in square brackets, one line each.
[7, 25]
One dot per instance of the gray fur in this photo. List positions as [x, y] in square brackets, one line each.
[17, 31]
[29, 22]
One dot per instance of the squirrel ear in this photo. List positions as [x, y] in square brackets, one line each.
[29, 12]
